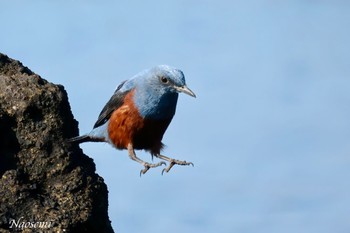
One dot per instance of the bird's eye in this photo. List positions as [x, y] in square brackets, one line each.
[164, 80]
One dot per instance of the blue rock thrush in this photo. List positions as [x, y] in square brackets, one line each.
[138, 114]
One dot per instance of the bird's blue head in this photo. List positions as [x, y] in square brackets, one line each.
[156, 91]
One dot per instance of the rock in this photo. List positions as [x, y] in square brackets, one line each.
[44, 179]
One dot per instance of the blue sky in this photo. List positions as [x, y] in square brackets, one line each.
[268, 132]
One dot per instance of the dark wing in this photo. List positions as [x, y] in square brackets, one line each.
[114, 103]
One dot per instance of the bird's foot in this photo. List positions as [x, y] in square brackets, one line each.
[150, 165]
[178, 162]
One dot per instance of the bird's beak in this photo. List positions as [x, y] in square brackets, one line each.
[186, 90]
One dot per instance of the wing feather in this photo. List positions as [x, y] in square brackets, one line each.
[114, 103]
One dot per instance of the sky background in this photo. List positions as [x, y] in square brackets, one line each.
[268, 132]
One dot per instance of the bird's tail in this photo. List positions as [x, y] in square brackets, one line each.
[84, 138]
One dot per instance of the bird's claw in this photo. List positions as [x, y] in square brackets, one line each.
[150, 165]
[178, 162]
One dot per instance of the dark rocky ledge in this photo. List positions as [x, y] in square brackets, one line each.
[44, 179]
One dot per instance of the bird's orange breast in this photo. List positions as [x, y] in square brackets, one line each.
[124, 122]
[127, 126]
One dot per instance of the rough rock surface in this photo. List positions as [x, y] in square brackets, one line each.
[44, 178]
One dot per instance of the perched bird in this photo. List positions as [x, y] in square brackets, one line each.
[138, 114]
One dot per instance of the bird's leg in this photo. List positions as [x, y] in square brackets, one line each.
[172, 162]
[147, 166]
